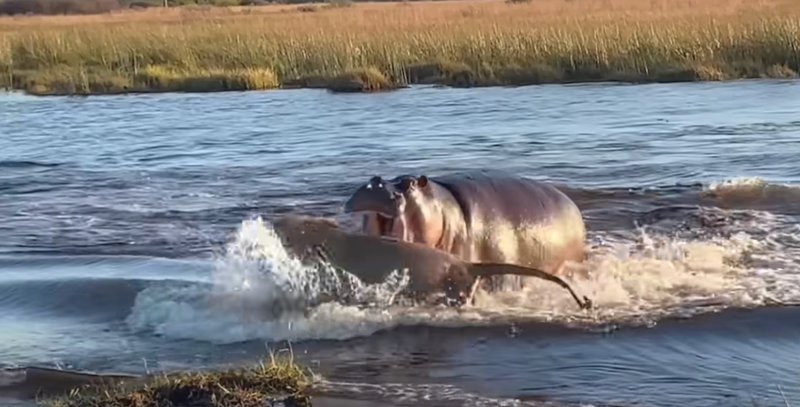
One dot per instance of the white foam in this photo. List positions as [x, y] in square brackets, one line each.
[738, 182]
[652, 277]
[752, 188]
[259, 291]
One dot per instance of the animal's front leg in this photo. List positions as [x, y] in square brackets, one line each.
[459, 248]
[474, 288]
[320, 253]
[341, 290]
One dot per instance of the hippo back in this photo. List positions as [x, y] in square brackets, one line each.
[517, 219]
[517, 199]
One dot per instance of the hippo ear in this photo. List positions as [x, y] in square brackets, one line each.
[422, 181]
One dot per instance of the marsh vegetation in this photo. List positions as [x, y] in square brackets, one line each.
[379, 46]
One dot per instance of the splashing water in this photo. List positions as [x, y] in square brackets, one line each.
[641, 276]
[259, 291]
[754, 192]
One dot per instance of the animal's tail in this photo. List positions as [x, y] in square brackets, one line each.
[497, 269]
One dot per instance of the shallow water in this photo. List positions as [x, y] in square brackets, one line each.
[132, 243]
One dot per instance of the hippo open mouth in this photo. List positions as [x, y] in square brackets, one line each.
[375, 223]
[376, 202]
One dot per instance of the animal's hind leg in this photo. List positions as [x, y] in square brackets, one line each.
[471, 296]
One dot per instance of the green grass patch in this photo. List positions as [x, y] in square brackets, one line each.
[65, 80]
[165, 79]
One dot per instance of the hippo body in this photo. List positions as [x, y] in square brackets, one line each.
[479, 217]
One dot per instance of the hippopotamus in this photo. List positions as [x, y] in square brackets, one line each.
[372, 258]
[478, 217]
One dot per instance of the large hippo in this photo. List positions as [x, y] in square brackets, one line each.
[432, 272]
[479, 217]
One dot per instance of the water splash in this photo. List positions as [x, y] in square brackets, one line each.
[748, 259]
[754, 193]
[641, 280]
[259, 291]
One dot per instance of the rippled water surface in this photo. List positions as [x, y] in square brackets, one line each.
[136, 236]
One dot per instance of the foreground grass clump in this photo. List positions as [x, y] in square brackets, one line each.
[370, 47]
[246, 387]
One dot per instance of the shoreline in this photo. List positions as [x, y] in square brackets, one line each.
[366, 89]
[382, 47]
[12, 91]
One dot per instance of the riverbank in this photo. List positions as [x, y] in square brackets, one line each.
[273, 381]
[383, 46]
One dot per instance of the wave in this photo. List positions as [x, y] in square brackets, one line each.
[741, 192]
[22, 164]
[754, 193]
[636, 277]
[414, 394]
[88, 288]
[92, 299]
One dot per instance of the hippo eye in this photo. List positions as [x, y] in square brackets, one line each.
[380, 185]
[369, 186]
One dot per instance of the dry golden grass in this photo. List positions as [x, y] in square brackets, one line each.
[487, 42]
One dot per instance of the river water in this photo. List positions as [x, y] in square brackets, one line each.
[136, 237]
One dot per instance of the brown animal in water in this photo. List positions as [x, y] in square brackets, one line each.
[371, 259]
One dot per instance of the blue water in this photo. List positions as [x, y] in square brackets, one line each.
[125, 218]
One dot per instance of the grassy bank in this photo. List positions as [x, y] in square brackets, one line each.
[246, 387]
[377, 46]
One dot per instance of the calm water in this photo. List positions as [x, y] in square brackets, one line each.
[131, 239]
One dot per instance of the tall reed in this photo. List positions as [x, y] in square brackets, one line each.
[456, 43]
